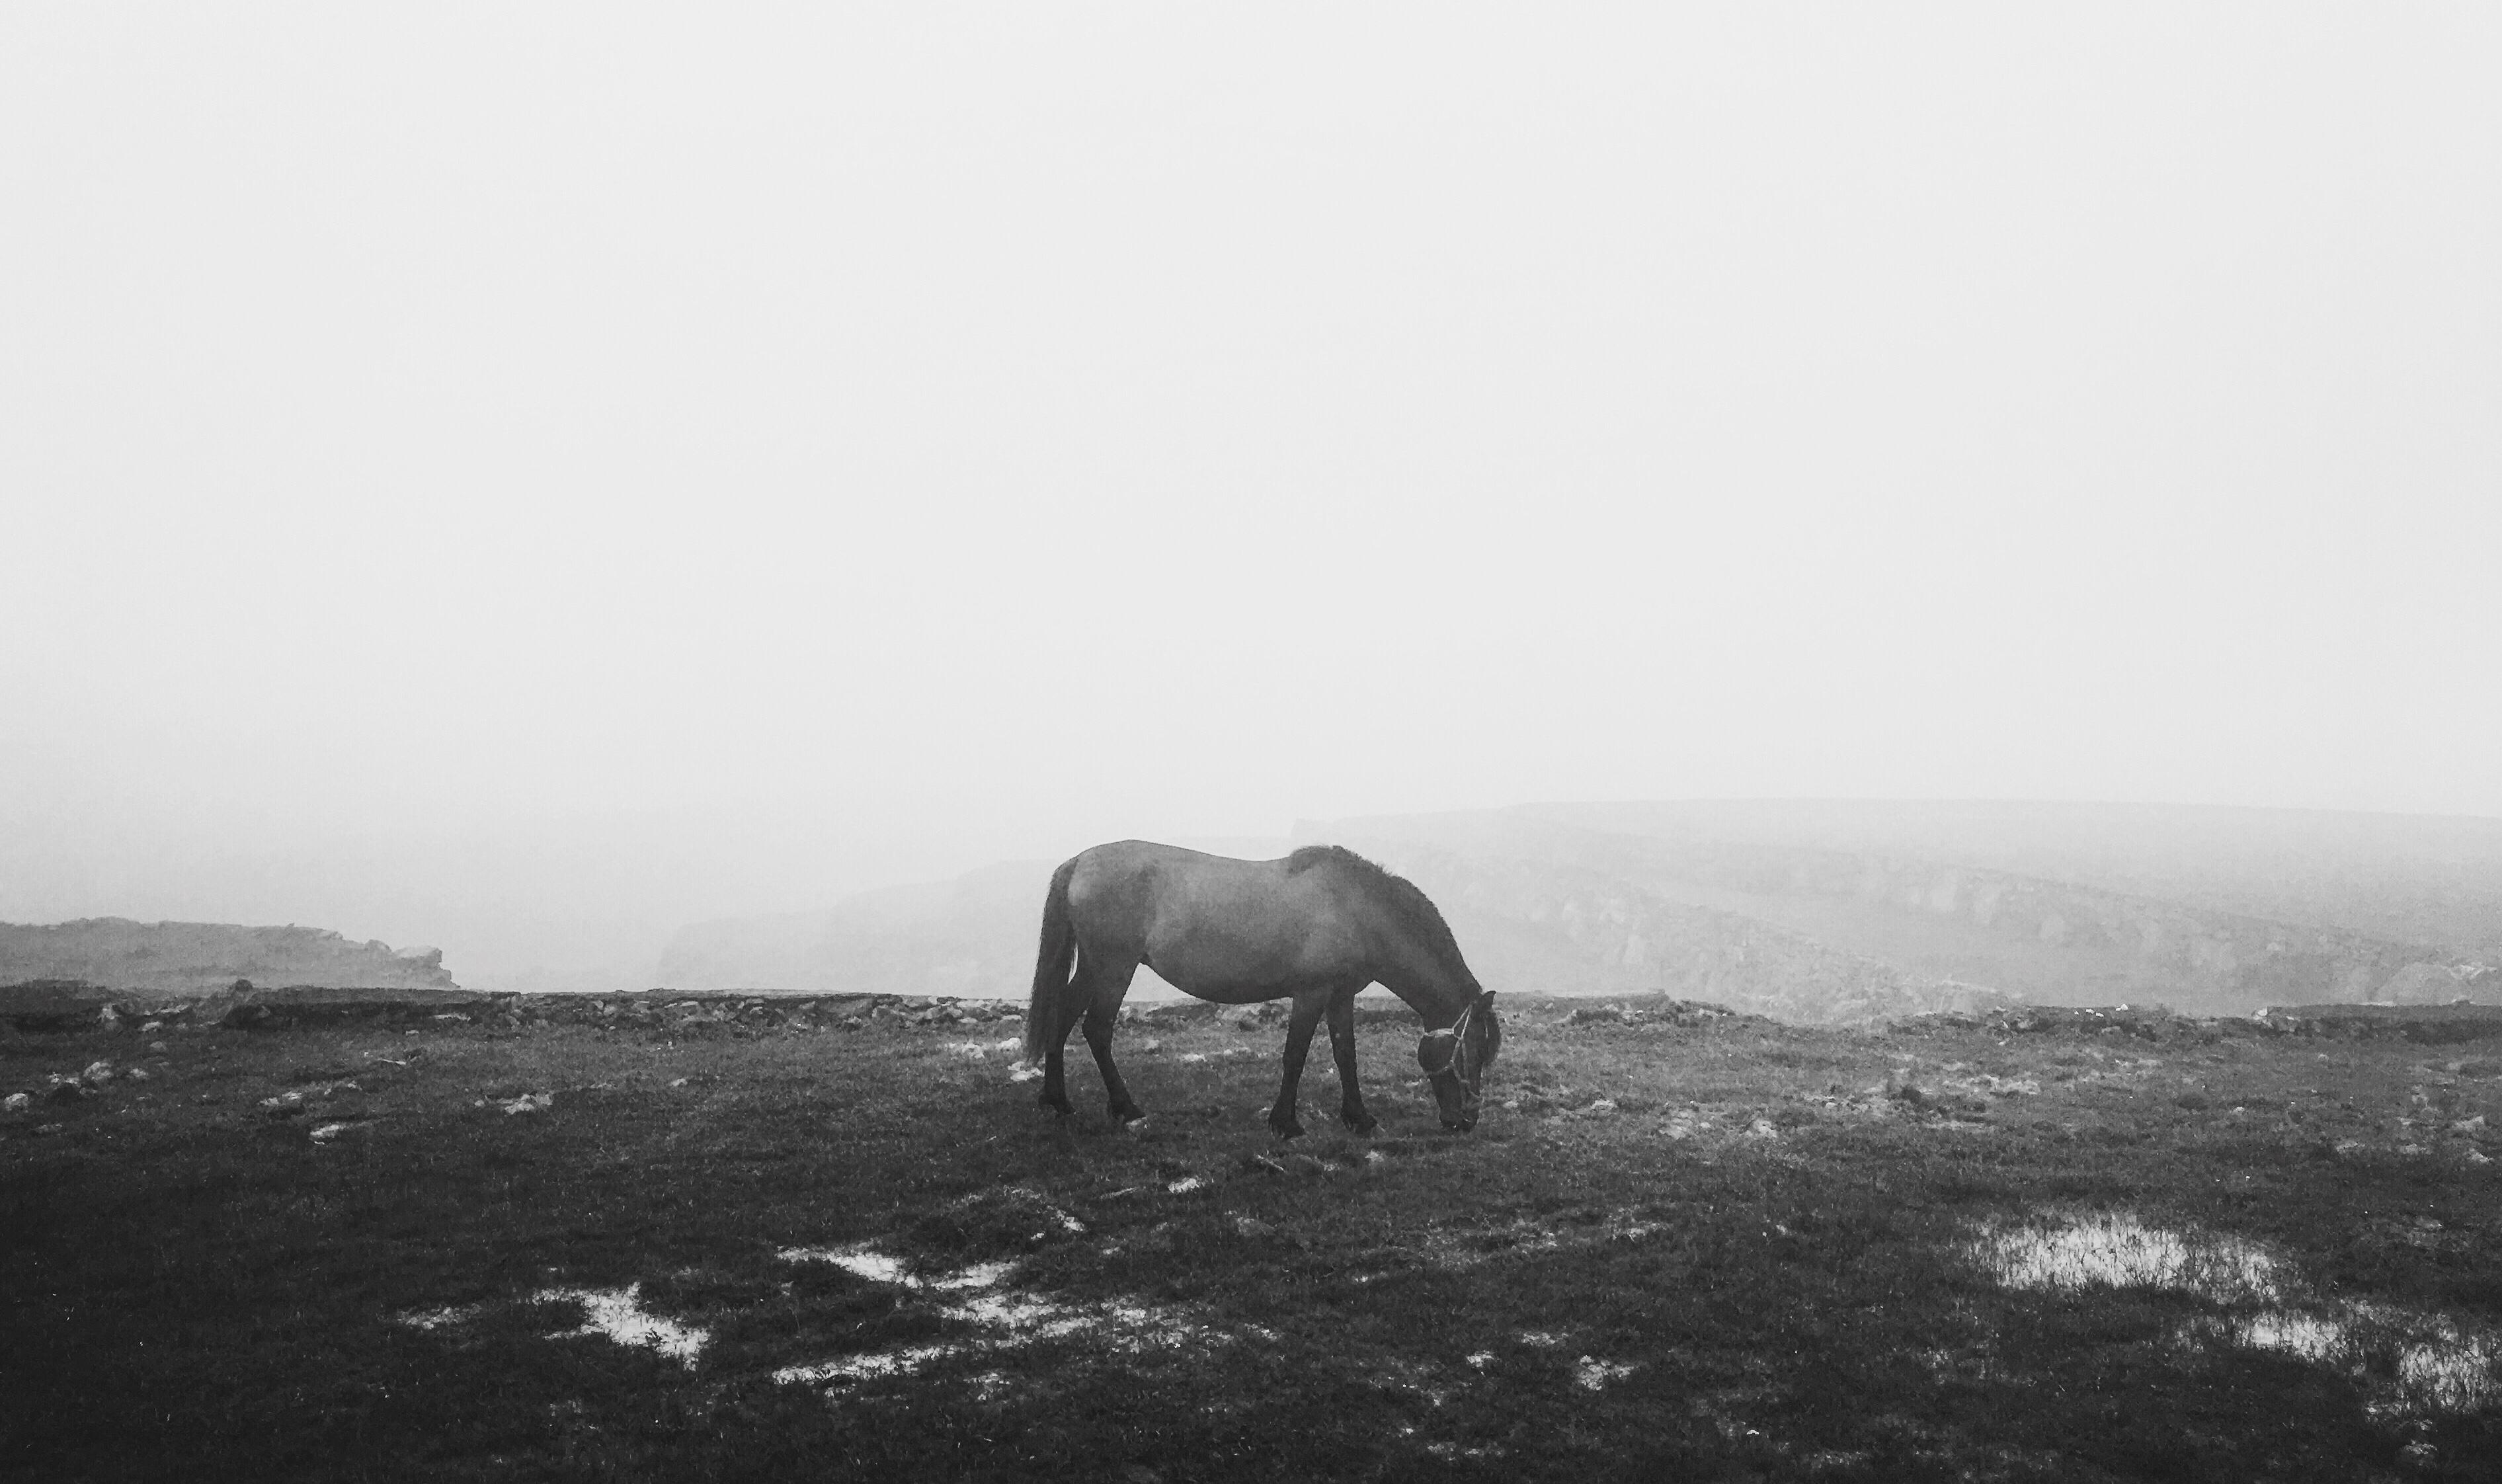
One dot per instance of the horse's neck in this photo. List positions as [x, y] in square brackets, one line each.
[1415, 973]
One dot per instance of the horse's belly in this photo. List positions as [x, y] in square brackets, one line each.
[1235, 970]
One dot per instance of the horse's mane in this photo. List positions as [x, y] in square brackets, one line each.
[1406, 900]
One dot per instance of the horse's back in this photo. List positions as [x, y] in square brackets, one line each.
[1212, 925]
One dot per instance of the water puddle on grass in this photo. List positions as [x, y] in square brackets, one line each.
[2119, 1251]
[1592, 1374]
[867, 1261]
[2420, 1363]
[1004, 1321]
[2411, 1364]
[618, 1314]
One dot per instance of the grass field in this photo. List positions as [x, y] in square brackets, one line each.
[1671, 1250]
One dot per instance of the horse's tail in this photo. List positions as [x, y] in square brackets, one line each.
[1051, 965]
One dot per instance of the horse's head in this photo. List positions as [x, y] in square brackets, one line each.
[1455, 1060]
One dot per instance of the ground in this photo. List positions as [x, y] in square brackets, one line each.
[1675, 1247]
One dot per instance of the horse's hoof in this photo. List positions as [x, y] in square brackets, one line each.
[1289, 1130]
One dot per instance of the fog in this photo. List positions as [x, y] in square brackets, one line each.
[522, 481]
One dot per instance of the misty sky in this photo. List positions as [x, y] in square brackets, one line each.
[522, 478]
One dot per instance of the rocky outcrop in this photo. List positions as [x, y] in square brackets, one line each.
[175, 961]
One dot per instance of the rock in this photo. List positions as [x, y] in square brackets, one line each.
[18, 1102]
[96, 1074]
[2473, 1124]
[158, 1047]
[1252, 1227]
[528, 1102]
[284, 1105]
[152, 1028]
[328, 1133]
[41, 1130]
[108, 1019]
[137, 1074]
[66, 1090]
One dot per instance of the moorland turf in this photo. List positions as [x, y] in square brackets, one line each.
[1671, 1250]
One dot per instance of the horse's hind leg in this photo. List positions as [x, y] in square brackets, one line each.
[1342, 1024]
[1101, 986]
[1064, 1011]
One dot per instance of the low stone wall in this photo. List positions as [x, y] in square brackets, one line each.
[53, 1006]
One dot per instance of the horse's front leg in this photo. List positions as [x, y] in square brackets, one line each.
[1350, 1100]
[1298, 1045]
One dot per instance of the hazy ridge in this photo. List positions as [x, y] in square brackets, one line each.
[188, 959]
[1811, 911]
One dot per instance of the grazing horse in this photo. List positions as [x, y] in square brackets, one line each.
[1317, 927]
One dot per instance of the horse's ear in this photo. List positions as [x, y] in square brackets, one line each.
[1486, 999]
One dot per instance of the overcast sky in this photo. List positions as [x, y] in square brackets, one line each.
[523, 476]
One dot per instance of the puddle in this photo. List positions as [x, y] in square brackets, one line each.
[1007, 1321]
[618, 1314]
[2119, 1251]
[2410, 1363]
[1591, 1374]
[2421, 1363]
[866, 1262]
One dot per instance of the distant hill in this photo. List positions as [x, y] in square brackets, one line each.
[1810, 911]
[175, 959]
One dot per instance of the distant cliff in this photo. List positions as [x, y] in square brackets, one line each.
[175, 959]
[1861, 931]
[1814, 913]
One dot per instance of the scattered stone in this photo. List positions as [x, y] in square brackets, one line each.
[18, 1102]
[42, 1130]
[331, 1132]
[159, 1048]
[284, 1105]
[528, 1102]
[2473, 1124]
[137, 1074]
[152, 1028]
[97, 1073]
[1252, 1227]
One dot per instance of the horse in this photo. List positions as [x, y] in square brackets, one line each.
[1317, 926]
